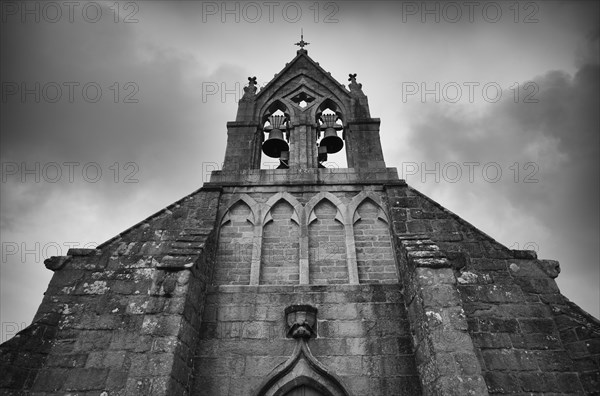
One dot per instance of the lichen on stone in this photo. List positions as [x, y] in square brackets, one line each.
[98, 287]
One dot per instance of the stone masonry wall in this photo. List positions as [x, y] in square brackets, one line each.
[374, 253]
[279, 258]
[123, 318]
[363, 337]
[235, 247]
[22, 357]
[445, 355]
[243, 145]
[528, 338]
[327, 248]
[145, 314]
[580, 334]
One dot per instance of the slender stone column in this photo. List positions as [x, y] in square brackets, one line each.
[303, 147]
[256, 250]
[303, 253]
[351, 252]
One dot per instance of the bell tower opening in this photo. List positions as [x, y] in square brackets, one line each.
[330, 134]
[303, 120]
[275, 136]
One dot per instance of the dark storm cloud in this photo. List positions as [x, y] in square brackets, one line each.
[560, 135]
[163, 127]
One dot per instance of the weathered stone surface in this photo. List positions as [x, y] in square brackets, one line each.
[90, 333]
[364, 341]
[411, 298]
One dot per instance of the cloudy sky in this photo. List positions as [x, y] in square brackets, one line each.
[112, 112]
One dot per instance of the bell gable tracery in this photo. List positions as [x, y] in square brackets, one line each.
[317, 117]
[326, 240]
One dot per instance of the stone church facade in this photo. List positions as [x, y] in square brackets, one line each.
[303, 280]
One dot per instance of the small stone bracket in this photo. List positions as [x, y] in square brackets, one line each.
[550, 267]
[56, 263]
[301, 321]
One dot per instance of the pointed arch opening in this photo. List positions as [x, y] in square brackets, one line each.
[289, 198]
[280, 246]
[235, 246]
[330, 135]
[326, 245]
[374, 251]
[300, 372]
[274, 136]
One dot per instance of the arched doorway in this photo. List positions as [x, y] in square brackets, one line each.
[301, 375]
[304, 390]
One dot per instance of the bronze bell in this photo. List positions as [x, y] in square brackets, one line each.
[330, 139]
[275, 144]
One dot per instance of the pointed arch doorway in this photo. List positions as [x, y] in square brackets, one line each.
[304, 390]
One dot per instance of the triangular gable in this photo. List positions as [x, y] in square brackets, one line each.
[289, 72]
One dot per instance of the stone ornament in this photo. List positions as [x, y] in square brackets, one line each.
[355, 88]
[301, 368]
[250, 90]
[301, 321]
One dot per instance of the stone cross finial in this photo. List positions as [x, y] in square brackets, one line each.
[301, 43]
[250, 90]
[354, 86]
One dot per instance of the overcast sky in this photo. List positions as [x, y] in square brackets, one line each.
[490, 109]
